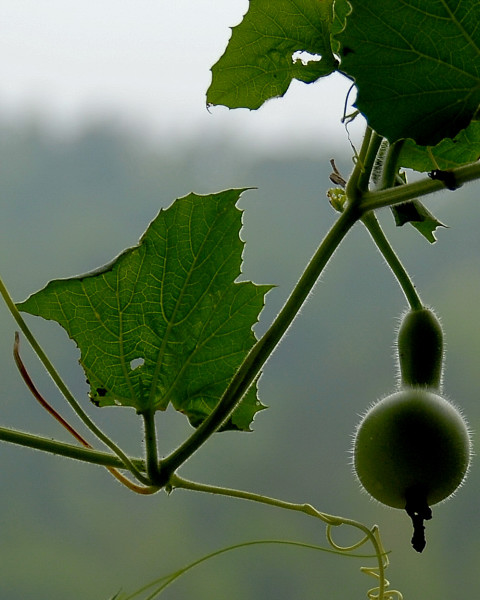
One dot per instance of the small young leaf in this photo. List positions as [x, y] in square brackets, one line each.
[416, 65]
[448, 154]
[421, 218]
[165, 322]
[259, 61]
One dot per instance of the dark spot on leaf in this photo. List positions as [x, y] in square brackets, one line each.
[95, 402]
[101, 392]
[346, 50]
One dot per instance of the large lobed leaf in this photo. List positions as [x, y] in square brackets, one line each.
[259, 61]
[416, 64]
[165, 322]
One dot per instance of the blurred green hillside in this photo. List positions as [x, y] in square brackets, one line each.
[68, 531]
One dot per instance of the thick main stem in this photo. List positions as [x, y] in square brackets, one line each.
[261, 351]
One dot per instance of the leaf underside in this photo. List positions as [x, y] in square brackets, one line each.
[166, 321]
[416, 65]
[447, 154]
[259, 61]
[415, 213]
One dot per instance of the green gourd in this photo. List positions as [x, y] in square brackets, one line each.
[412, 449]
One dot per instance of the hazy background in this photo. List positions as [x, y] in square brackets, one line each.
[147, 65]
[102, 122]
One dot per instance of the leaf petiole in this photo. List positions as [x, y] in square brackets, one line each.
[151, 451]
[373, 227]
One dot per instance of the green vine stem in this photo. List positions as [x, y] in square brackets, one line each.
[402, 193]
[88, 455]
[361, 171]
[373, 226]
[262, 350]
[177, 482]
[371, 535]
[352, 188]
[126, 462]
[151, 451]
[369, 162]
[390, 164]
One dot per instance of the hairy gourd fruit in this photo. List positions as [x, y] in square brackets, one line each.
[420, 349]
[412, 450]
[411, 441]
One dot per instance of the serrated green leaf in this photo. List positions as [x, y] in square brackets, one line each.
[258, 63]
[419, 216]
[416, 64]
[448, 154]
[165, 322]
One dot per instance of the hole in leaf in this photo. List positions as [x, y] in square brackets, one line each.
[305, 57]
[136, 362]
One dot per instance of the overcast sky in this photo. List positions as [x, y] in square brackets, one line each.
[145, 63]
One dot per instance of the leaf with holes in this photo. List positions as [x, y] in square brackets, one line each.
[166, 321]
[277, 41]
[416, 65]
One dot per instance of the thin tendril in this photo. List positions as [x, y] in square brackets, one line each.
[380, 592]
[369, 535]
[166, 580]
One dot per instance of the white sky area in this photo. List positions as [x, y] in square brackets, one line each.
[145, 64]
